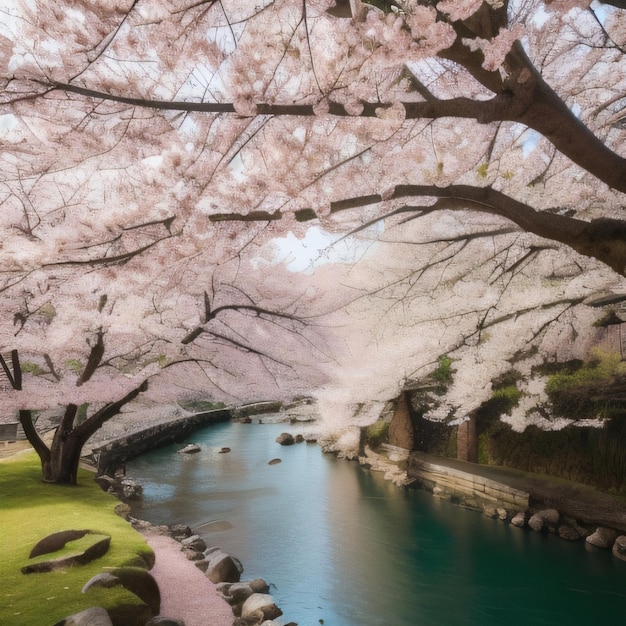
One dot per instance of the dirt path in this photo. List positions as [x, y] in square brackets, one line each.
[186, 593]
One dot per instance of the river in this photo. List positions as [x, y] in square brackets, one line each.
[340, 546]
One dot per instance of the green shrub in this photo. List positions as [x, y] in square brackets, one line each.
[443, 373]
[595, 389]
[377, 433]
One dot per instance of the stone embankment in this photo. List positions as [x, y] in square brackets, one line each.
[544, 504]
[108, 456]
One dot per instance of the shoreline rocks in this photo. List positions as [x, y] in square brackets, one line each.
[250, 601]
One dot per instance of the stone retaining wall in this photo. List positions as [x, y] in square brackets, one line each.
[111, 455]
[469, 490]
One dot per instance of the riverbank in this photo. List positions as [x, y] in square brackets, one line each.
[547, 504]
[186, 593]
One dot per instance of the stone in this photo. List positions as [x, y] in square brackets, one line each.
[603, 538]
[94, 616]
[131, 489]
[274, 462]
[536, 522]
[299, 438]
[519, 519]
[190, 448]
[502, 514]
[195, 542]
[568, 532]
[285, 439]
[202, 565]
[191, 554]
[56, 541]
[222, 567]
[136, 579]
[159, 620]
[551, 517]
[489, 511]
[619, 547]
[97, 549]
[260, 606]
[546, 519]
[224, 450]
[179, 531]
[237, 593]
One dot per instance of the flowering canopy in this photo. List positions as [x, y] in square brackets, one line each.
[463, 161]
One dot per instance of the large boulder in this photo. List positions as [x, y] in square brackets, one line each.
[94, 616]
[260, 607]
[221, 567]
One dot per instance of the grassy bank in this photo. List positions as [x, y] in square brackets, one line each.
[31, 510]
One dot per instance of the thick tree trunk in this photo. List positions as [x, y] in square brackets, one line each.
[62, 466]
[60, 461]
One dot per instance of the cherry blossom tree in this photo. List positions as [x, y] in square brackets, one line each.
[467, 155]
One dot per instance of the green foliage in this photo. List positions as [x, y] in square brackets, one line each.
[32, 368]
[377, 433]
[595, 389]
[32, 510]
[508, 396]
[81, 414]
[74, 365]
[504, 398]
[47, 311]
[482, 170]
[443, 373]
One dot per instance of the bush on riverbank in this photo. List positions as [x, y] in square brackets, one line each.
[32, 510]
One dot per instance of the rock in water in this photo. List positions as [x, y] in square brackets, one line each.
[285, 439]
[222, 568]
[260, 606]
[602, 538]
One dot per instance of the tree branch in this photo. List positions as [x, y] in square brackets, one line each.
[604, 239]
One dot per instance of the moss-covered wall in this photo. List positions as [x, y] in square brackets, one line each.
[589, 455]
[595, 456]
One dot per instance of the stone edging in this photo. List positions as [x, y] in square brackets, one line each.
[108, 457]
[251, 602]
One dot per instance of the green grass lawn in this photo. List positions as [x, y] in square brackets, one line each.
[31, 510]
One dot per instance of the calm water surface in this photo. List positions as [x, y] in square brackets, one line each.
[339, 544]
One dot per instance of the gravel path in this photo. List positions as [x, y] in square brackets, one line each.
[186, 593]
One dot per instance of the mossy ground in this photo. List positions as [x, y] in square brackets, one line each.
[31, 510]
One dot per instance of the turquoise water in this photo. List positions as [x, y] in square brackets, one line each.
[340, 544]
